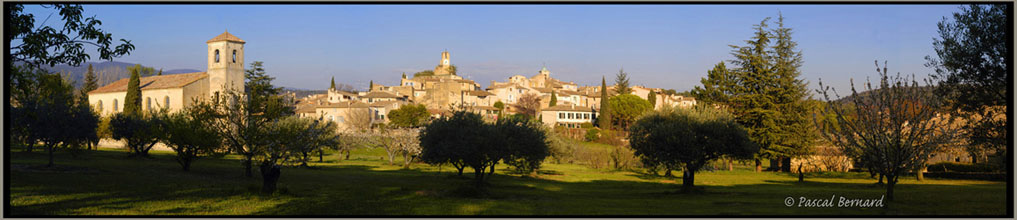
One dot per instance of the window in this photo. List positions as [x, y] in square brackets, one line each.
[115, 107]
[216, 56]
[148, 103]
[167, 102]
[234, 56]
[99, 106]
[341, 119]
[561, 115]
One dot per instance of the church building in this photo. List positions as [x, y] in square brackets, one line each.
[225, 71]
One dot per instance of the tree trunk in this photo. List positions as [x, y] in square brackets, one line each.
[730, 164]
[391, 157]
[759, 166]
[186, 164]
[785, 164]
[478, 176]
[801, 175]
[303, 161]
[460, 170]
[890, 182]
[347, 154]
[49, 148]
[880, 179]
[270, 177]
[920, 173]
[688, 180]
[489, 174]
[321, 156]
[247, 165]
[667, 172]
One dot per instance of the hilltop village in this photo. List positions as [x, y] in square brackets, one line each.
[445, 90]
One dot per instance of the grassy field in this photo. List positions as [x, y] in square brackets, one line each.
[106, 182]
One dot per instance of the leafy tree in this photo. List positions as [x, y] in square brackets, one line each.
[652, 98]
[971, 70]
[500, 106]
[718, 86]
[190, 137]
[44, 45]
[409, 116]
[286, 137]
[407, 143]
[554, 99]
[55, 100]
[526, 144]
[463, 140]
[604, 119]
[143, 70]
[424, 73]
[895, 129]
[621, 83]
[689, 139]
[528, 104]
[141, 130]
[132, 102]
[318, 135]
[626, 108]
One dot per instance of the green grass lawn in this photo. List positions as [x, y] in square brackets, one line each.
[106, 182]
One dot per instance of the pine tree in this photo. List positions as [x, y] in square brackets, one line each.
[333, 84]
[91, 82]
[796, 133]
[621, 83]
[160, 72]
[132, 102]
[554, 99]
[605, 114]
[652, 97]
[717, 86]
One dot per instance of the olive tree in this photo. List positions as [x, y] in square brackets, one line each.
[463, 140]
[894, 127]
[190, 137]
[689, 138]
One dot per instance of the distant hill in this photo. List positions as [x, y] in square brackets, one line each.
[850, 98]
[107, 71]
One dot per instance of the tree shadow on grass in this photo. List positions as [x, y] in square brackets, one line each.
[157, 187]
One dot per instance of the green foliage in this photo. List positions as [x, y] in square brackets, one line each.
[718, 86]
[554, 99]
[264, 97]
[525, 144]
[971, 67]
[769, 98]
[189, 135]
[499, 105]
[452, 69]
[91, 83]
[462, 140]
[592, 134]
[626, 108]
[39, 44]
[370, 85]
[652, 98]
[132, 102]
[621, 83]
[409, 116]
[143, 70]
[333, 84]
[50, 114]
[141, 131]
[689, 138]
[424, 73]
[604, 117]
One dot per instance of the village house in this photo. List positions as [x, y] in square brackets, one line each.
[570, 116]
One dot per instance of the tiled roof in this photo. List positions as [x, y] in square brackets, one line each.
[383, 103]
[543, 90]
[226, 36]
[479, 93]
[347, 104]
[568, 108]
[154, 82]
[380, 94]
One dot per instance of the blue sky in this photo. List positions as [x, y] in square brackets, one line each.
[666, 46]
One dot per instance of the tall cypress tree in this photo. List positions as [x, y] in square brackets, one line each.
[652, 97]
[132, 102]
[554, 100]
[370, 85]
[333, 84]
[605, 114]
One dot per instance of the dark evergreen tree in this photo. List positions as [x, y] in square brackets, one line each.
[91, 83]
[652, 97]
[604, 119]
[621, 83]
[333, 84]
[132, 102]
[718, 86]
[554, 99]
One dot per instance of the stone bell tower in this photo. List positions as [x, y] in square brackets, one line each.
[444, 65]
[225, 63]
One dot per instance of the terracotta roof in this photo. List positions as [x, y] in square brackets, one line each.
[383, 103]
[567, 92]
[380, 94]
[479, 93]
[347, 104]
[154, 82]
[226, 36]
[568, 108]
[543, 90]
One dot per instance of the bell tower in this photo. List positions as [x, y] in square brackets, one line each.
[225, 63]
[444, 65]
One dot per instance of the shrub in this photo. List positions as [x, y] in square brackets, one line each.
[960, 167]
[592, 134]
